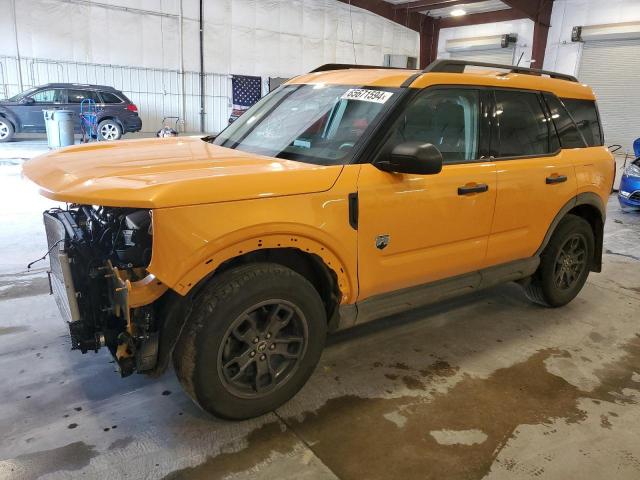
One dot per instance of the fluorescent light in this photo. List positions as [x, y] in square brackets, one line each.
[458, 12]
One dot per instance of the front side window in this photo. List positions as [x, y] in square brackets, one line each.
[77, 96]
[448, 118]
[586, 117]
[53, 95]
[322, 124]
[523, 126]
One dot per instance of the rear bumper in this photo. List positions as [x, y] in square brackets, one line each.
[133, 124]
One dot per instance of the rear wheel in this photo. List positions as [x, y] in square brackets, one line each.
[6, 130]
[564, 265]
[109, 130]
[253, 338]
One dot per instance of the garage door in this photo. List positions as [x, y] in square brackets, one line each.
[611, 69]
[503, 56]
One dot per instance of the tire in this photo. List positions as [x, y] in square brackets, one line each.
[109, 130]
[226, 360]
[564, 264]
[6, 130]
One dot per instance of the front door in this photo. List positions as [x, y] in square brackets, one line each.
[415, 229]
[32, 114]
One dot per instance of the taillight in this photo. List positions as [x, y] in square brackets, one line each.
[132, 108]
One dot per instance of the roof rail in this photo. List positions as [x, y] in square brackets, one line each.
[345, 66]
[458, 66]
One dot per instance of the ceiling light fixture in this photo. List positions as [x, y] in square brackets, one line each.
[458, 12]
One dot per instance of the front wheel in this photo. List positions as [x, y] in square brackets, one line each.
[6, 130]
[564, 265]
[252, 340]
[109, 130]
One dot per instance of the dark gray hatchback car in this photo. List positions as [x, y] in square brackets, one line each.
[23, 113]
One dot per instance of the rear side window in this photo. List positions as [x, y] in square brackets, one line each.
[568, 133]
[76, 96]
[585, 114]
[110, 98]
[522, 124]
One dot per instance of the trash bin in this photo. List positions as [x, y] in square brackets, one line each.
[59, 125]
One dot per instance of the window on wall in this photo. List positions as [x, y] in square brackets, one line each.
[448, 118]
[53, 95]
[586, 117]
[523, 126]
[77, 96]
[568, 133]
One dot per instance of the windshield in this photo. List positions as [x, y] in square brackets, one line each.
[320, 124]
[26, 93]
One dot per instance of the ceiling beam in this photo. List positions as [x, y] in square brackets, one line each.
[409, 19]
[432, 4]
[529, 8]
[429, 35]
[478, 18]
[541, 32]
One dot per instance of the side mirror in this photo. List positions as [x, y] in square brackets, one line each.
[413, 157]
[27, 100]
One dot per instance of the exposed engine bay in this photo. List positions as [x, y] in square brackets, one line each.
[96, 254]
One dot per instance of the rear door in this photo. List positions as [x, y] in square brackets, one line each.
[75, 96]
[536, 178]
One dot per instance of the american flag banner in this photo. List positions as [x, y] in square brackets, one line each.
[246, 91]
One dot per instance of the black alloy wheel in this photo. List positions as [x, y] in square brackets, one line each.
[262, 348]
[571, 262]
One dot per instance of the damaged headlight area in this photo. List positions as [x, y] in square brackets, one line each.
[99, 258]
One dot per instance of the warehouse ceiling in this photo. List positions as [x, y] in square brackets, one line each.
[443, 9]
[413, 13]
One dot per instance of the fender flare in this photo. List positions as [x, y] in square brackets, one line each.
[304, 243]
[584, 198]
[11, 118]
[176, 304]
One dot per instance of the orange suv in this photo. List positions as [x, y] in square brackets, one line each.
[346, 195]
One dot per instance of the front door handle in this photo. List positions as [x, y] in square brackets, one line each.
[469, 189]
[556, 179]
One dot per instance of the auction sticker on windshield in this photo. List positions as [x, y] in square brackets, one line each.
[376, 96]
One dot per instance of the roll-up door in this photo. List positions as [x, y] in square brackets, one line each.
[610, 68]
[503, 56]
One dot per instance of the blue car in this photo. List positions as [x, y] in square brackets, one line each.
[629, 190]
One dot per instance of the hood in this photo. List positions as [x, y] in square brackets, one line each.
[169, 172]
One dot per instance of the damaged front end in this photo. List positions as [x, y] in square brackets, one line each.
[98, 275]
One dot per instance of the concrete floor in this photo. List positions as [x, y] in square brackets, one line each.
[485, 386]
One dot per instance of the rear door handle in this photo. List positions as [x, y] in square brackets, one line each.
[556, 179]
[469, 189]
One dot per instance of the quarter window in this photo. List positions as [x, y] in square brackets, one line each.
[77, 96]
[446, 118]
[110, 98]
[523, 125]
[586, 117]
[568, 133]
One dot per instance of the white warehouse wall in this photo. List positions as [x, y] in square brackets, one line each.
[524, 29]
[134, 45]
[253, 37]
[562, 54]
